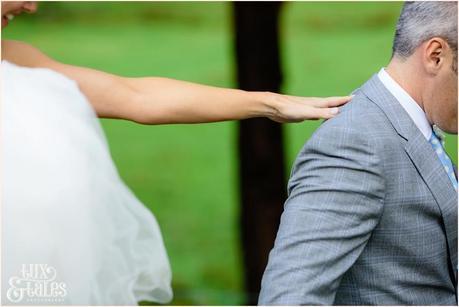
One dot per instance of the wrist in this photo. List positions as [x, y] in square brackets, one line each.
[266, 104]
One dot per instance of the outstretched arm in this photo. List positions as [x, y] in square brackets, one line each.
[155, 100]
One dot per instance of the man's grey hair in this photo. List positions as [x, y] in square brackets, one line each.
[421, 21]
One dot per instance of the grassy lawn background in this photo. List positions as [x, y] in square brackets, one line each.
[187, 174]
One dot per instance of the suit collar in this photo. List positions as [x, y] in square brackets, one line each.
[399, 119]
[411, 107]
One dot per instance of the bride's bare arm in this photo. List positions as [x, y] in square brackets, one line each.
[156, 100]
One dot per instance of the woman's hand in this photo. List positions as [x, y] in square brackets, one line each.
[289, 109]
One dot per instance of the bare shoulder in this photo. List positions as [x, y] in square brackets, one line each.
[24, 54]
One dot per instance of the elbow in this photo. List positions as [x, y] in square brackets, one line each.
[145, 108]
[139, 111]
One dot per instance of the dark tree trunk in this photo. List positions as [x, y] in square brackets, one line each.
[261, 155]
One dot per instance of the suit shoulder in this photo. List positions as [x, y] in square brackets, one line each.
[360, 114]
[359, 118]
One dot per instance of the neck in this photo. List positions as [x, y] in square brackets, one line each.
[407, 76]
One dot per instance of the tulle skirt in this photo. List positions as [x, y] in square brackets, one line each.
[73, 233]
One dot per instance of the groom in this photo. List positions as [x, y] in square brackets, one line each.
[371, 217]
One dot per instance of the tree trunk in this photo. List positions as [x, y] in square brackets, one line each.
[261, 155]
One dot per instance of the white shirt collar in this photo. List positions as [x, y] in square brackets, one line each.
[407, 102]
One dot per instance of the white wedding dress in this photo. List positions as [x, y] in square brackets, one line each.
[72, 232]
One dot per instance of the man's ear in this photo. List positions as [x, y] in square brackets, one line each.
[434, 54]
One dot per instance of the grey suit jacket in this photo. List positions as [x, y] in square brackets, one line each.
[371, 216]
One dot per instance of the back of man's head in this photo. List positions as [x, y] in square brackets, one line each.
[421, 21]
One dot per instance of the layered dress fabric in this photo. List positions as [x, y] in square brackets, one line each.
[72, 231]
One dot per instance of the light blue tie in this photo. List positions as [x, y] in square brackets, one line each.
[444, 159]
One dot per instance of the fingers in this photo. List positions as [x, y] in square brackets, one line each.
[323, 102]
[312, 113]
[336, 101]
[323, 113]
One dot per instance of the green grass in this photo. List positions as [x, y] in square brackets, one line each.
[187, 174]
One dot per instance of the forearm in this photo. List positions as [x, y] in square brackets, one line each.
[165, 101]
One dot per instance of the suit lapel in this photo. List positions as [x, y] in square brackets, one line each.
[431, 170]
[424, 159]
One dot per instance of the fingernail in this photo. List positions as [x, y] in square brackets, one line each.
[334, 111]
